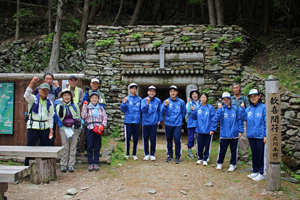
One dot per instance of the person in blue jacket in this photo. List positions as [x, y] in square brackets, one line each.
[174, 111]
[151, 117]
[131, 106]
[203, 115]
[193, 101]
[230, 130]
[255, 115]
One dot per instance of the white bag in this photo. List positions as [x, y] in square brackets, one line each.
[69, 132]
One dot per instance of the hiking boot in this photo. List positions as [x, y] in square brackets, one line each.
[191, 156]
[169, 159]
[96, 167]
[219, 166]
[135, 158]
[71, 169]
[146, 157]
[231, 168]
[204, 163]
[63, 169]
[90, 167]
[177, 160]
[152, 158]
[253, 175]
[199, 162]
[259, 177]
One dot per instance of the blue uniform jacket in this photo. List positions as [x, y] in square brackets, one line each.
[230, 122]
[151, 114]
[256, 120]
[203, 116]
[191, 123]
[174, 112]
[132, 109]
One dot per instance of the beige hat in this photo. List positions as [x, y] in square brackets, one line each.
[95, 80]
[66, 90]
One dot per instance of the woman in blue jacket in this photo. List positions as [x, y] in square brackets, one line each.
[131, 106]
[230, 128]
[151, 117]
[255, 115]
[203, 115]
[193, 101]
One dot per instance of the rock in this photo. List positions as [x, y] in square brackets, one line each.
[295, 122]
[292, 180]
[71, 191]
[289, 114]
[186, 189]
[280, 193]
[185, 175]
[285, 105]
[292, 132]
[249, 169]
[156, 164]
[183, 192]
[67, 197]
[209, 184]
[152, 191]
[84, 188]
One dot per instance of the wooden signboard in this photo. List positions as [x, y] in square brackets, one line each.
[274, 127]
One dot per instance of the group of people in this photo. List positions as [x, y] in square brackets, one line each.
[202, 122]
[50, 106]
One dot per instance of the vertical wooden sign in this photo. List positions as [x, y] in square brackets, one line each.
[274, 127]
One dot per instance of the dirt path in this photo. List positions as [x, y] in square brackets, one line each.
[133, 179]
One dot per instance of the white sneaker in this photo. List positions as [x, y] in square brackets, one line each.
[231, 168]
[152, 158]
[199, 162]
[204, 163]
[253, 175]
[259, 177]
[135, 157]
[146, 157]
[127, 157]
[219, 166]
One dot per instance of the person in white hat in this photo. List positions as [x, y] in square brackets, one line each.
[151, 117]
[69, 117]
[131, 106]
[95, 83]
[230, 128]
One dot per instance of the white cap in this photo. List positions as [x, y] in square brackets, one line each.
[132, 85]
[95, 80]
[152, 87]
[226, 95]
[253, 91]
[173, 87]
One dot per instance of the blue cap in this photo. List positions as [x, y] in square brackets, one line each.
[132, 85]
[226, 95]
[173, 87]
[94, 93]
[253, 91]
[151, 87]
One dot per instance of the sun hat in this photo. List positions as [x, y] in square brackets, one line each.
[194, 90]
[64, 91]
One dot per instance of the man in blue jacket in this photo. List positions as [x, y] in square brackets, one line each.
[151, 117]
[174, 111]
[131, 106]
[230, 130]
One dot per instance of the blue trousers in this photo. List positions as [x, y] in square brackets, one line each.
[191, 137]
[33, 135]
[131, 130]
[93, 141]
[173, 132]
[204, 141]
[223, 148]
[258, 152]
[149, 131]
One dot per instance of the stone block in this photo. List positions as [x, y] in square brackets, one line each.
[285, 105]
[292, 132]
[212, 68]
[225, 71]
[294, 101]
[289, 114]
[296, 107]
[295, 122]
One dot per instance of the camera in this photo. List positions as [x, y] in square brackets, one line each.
[76, 124]
[87, 88]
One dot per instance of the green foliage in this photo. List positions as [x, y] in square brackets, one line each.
[191, 29]
[118, 82]
[210, 101]
[106, 42]
[10, 163]
[236, 40]
[25, 12]
[116, 132]
[237, 79]
[157, 43]
[205, 91]
[225, 89]
[289, 152]
[247, 88]
[68, 38]
[208, 28]
[104, 84]
[215, 46]
[49, 38]
[126, 31]
[186, 39]
[118, 154]
[70, 32]
[222, 39]
[213, 61]
[136, 35]
[111, 32]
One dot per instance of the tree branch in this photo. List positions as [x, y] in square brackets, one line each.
[25, 4]
[118, 13]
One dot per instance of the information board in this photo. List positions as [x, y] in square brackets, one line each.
[6, 108]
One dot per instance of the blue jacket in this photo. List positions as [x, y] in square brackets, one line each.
[151, 114]
[203, 116]
[132, 109]
[256, 120]
[191, 123]
[230, 122]
[174, 113]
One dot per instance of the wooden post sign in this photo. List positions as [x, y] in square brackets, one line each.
[274, 127]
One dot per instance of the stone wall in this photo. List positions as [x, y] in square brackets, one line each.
[290, 121]
[109, 50]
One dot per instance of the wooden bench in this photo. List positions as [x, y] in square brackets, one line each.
[42, 160]
[11, 174]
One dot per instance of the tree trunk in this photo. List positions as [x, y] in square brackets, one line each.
[93, 11]
[135, 13]
[266, 15]
[49, 15]
[77, 5]
[118, 13]
[84, 21]
[155, 9]
[17, 36]
[211, 11]
[53, 63]
[220, 12]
